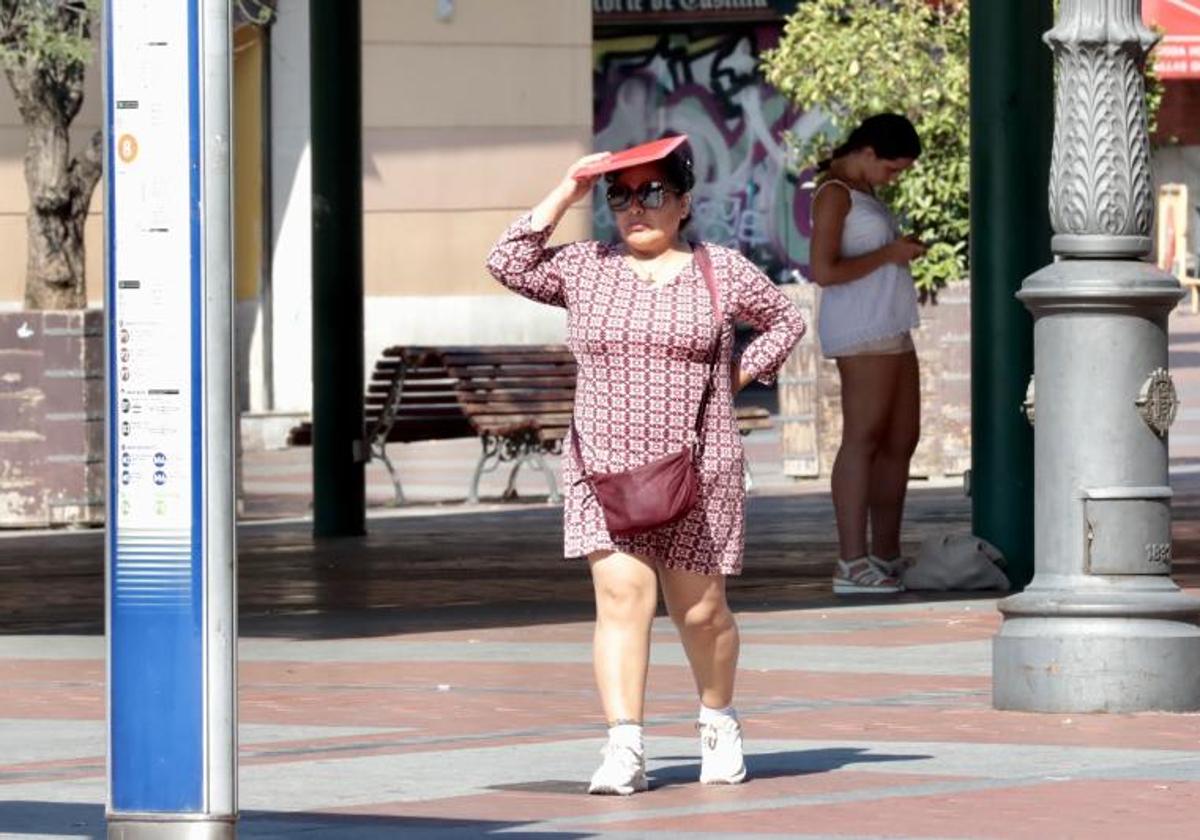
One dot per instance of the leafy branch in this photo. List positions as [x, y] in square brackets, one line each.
[51, 35]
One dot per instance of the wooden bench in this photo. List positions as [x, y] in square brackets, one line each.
[516, 399]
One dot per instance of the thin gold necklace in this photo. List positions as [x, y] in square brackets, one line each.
[646, 275]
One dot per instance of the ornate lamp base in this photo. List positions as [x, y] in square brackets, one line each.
[1069, 651]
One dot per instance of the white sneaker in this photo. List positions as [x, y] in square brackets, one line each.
[721, 761]
[622, 772]
[863, 577]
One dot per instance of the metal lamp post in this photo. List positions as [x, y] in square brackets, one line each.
[1101, 627]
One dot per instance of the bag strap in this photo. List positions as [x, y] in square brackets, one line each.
[704, 262]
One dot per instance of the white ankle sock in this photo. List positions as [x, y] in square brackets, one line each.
[627, 735]
[708, 715]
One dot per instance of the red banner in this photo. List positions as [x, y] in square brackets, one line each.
[1178, 54]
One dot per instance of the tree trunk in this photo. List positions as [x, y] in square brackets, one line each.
[54, 276]
[60, 188]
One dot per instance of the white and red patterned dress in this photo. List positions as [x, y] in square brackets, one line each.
[642, 355]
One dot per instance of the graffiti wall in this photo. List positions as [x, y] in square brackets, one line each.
[708, 87]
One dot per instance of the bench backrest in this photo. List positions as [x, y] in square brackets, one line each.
[428, 408]
[466, 391]
[505, 389]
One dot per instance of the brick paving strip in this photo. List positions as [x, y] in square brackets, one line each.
[432, 680]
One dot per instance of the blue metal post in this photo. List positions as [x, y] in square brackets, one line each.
[170, 589]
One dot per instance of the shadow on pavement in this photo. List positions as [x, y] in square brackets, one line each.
[440, 571]
[265, 824]
[780, 765]
[473, 569]
[86, 820]
[53, 819]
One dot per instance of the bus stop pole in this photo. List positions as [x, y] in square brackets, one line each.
[170, 589]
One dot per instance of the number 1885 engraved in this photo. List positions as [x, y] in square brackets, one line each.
[1158, 553]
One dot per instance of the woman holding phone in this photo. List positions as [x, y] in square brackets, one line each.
[868, 308]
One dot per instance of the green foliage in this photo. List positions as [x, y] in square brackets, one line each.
[255, 12]
[1154, 94]
[50, 36]
[854, 58]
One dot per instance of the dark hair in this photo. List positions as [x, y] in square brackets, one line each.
[892, 136]
[677, 173]
[677, 170]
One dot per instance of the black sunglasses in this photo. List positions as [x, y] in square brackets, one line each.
[651, 195]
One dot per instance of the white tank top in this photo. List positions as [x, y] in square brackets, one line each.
[882, 304]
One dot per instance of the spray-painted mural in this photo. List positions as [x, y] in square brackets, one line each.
[710, 89]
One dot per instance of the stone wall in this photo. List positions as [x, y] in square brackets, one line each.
[52, 419]
[810, 399]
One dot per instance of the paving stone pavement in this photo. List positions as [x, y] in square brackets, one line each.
[432, 680]
[488, 726]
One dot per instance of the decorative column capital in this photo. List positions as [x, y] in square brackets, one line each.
[1101, 23]
[1100, 187]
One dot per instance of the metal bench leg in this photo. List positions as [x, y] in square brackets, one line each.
[381, 453]
[539, 463]
[491, 452]
[510, 490]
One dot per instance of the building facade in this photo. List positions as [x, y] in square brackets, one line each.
[1177, 140]
[472, 111]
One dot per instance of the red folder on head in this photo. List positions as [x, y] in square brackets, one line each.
[645, 153]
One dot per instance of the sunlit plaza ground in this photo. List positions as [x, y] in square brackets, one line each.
[433, 680]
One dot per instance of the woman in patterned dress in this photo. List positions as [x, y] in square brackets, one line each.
[868, 309]
[641, 325]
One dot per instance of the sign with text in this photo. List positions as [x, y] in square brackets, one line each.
[168, 298]
[689, 11]
[1178, 54]
[153, 287]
